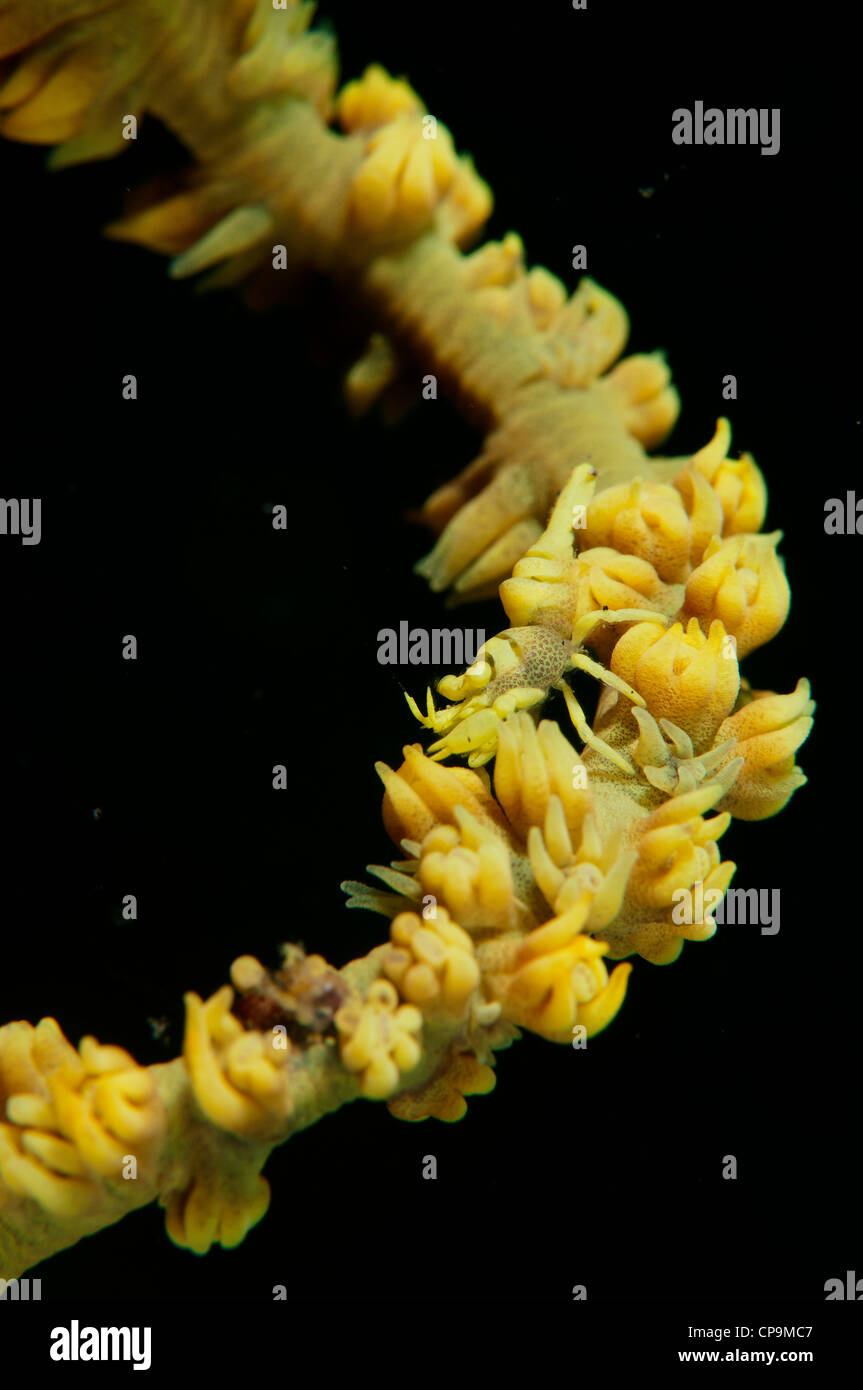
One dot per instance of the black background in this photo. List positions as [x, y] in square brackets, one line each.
[258, 647]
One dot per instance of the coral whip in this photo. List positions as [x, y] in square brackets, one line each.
[513, 891]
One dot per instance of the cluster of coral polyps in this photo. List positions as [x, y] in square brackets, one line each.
[512, 895]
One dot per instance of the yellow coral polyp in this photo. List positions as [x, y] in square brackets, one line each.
[443, 1097]
[703, 509]
[375, 99]
[741, 581]
[241, 1078]
[684, 676]
[586, 336]
[50, 1174]
[407, 169]
[672, 857]
[676, 850]
[535, 763]
[643, 392]
[72, 1117]
[738, 483]
[563, 873]
[767, 730]
[105, 1103]
[469, 871]
[423, 794]
[403, 176]
[380, 1040]
[280, 55]
[559, 979]
[432, 963]
[554, 587]
[666, 755]
[410, 169]
[643, 519]
[210, 1211]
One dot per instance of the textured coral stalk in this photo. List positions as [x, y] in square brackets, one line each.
[515, 891]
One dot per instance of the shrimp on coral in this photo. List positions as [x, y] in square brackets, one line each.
[518, 668]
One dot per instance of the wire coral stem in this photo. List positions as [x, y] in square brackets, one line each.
[202, 1159]
[420, 295]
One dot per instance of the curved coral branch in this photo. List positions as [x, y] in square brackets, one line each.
[514, 894]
